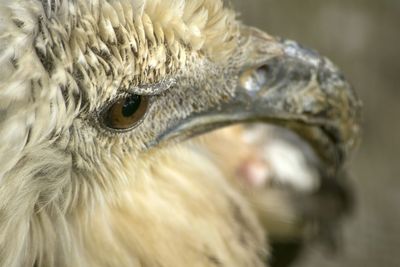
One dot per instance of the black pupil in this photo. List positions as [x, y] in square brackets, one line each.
[131, 105]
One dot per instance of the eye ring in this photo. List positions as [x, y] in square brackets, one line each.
[125, 113]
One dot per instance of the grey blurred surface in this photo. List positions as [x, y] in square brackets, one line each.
[363, 38]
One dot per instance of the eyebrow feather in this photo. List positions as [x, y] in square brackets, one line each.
[153, 88]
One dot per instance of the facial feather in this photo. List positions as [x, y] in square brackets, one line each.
[61, 62]
[64, 57]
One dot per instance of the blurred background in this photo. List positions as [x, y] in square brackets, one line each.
[363, 38]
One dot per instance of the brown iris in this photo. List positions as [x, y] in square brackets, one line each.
[126, 112]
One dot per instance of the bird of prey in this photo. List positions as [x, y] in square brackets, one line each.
[102, 103]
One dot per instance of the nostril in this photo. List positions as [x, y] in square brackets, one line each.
[253, 80]
[264, 70]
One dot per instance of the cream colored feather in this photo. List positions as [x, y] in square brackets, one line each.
[71, 195]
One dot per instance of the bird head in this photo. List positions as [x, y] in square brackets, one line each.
[89, 89]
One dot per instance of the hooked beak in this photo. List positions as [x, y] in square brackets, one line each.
[293, 87]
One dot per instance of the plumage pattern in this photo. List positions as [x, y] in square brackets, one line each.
[71, 198]
[74, 192]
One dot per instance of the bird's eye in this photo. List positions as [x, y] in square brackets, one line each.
[126, 112]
